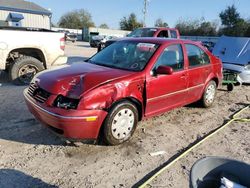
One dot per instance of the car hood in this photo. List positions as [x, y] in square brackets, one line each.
[233, 67]
[74, 80]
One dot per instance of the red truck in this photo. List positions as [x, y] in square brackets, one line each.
[161, 32]
[132, 79]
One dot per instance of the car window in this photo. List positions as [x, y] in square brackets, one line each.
[163, 34]
[126, 55]
[172, 56]
[196, 56]
[142, 32]
[173, 34]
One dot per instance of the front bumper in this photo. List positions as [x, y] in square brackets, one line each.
[71, 124]
[243, 75]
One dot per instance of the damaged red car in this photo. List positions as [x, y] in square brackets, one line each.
[132, 79]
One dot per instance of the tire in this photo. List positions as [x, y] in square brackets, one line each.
[23, 70]
[209, 94]
[230, 87]
[120, 123]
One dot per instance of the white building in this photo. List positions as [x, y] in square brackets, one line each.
[20, 13]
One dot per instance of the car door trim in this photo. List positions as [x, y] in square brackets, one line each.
[174, 93]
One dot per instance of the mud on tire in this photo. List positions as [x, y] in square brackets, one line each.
[23, 70]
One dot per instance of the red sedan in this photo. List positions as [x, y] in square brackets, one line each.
[132, 79]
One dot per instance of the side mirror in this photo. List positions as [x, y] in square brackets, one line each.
[164, 70]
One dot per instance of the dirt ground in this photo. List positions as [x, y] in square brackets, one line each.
[31, 156]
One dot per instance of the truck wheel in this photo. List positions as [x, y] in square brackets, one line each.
[209, 94]
[230, 87]
[120, 123]
[23, 70]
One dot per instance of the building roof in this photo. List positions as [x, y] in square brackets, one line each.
[23, 6]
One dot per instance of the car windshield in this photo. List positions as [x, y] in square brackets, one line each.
[142, 32]
[126, 55]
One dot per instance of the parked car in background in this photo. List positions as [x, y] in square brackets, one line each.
[71, 37]
[99, 40]
[161, 32]
[132, 79]
[27, 51]
[209, 45]
[235, 55]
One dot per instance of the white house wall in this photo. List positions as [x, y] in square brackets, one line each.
[30, 20]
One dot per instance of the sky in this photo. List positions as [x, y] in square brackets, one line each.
[170, 11]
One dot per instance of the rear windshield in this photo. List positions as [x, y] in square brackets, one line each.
[143, 32]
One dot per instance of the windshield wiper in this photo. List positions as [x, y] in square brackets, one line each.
[104, 65]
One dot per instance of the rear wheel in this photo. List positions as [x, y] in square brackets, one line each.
[120, 123]
[230, 87]
[209, 94]
[24, 69]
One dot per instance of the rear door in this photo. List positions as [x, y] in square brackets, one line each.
[165, 92]
[199, 68]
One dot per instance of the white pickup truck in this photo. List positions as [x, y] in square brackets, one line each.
[27, 51]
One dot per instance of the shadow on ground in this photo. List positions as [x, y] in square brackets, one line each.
[4, 78]
[13, 178]
[29, 131]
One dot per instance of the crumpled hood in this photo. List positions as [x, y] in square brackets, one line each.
[74, 80]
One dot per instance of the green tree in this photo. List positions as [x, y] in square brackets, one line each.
[233, 24]
[247, 33]
[130, 23]
[160, 23]
[207, 29]
[76, 19]
[196, 27]
[230, 16]
[104, 26]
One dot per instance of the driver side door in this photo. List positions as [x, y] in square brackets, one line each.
[165, 92]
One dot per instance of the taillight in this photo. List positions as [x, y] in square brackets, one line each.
[62, 43]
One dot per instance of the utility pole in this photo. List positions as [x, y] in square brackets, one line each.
[145, 12]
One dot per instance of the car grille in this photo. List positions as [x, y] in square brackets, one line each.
[37, 93]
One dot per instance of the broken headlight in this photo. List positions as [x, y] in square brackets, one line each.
[66, 103]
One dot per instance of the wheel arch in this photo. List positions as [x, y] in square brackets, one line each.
[32, 52]
[216, 81]
[134, 101]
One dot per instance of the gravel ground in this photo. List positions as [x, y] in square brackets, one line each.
[31, 156]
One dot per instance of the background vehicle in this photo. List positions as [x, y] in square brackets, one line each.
[209, 45]
[27, 51]
[162, 32]
[235, 55]
[99, 40]
[126, 82]
[71, 37]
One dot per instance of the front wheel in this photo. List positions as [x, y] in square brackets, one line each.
[120, 123]
[209, 94]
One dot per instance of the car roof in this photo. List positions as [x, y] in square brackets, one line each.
[158, 28]
[158, 40]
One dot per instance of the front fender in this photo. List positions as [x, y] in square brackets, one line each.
[104, 96]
